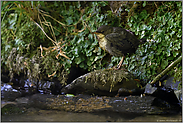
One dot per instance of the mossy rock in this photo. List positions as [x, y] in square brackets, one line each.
[102, 82]
[13, 109]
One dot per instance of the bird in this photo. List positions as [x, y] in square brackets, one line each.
[117, 41]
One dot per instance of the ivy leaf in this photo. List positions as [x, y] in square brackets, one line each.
[164, 63]
[144, 4]
[175, 54]
[78, 60]
[82, 65]
[168, 52]
[89, 63]
[143, 60]
[69, 20]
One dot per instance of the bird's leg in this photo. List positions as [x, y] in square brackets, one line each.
[120, 63]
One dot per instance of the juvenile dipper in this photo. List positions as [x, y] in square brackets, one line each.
[117, 41]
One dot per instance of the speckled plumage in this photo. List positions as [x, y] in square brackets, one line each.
[117, 41]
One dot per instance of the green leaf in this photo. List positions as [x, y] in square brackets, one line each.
[143, 14]
[131, 67]
[144, 4]
[69, 20]
[175, 54]
[143, 60]
[69, 95]
[164, 63]
[89, 53]
[168, 52]
[78, 60]
[5, 5]
[82, 65]
[89, 63]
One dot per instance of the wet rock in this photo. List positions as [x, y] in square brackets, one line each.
[13, 109]
[22, 100]
[101, 82]
[126, 92]
[86, 103]
[8, 93]
[162, 93]
[169, 83]
[133, 104]
[149, 89]
[178, 94]
[5, 102]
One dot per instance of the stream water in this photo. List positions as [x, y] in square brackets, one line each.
[37, 115]
[62, 116]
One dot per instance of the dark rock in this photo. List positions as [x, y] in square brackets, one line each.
[167, 90]
[169, 83]
[178, 94]
[163, 93]
[126, 92]
[55, 88]
[8, 93]
[86, 103]
[13, 109]
[74, 73]
[149, 89]
[5, 78]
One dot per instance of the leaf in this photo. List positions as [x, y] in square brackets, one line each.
[7, 47]
[69, 20]
[76, 51]
[5, 5]
[143, 60]
[168, 52]
[77, 60]
[164, 63]
[175, 54]
[143, 14]
[89, 63]
[82, 65]
[89, 53]
[131, 67]
[144, 4]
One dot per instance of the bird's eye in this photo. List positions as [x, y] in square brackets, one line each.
[102, 31]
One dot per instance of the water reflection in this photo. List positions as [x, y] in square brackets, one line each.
[61, 116]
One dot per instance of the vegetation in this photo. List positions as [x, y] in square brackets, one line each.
[39, 37]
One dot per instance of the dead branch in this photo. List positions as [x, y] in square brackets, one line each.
[167, 69]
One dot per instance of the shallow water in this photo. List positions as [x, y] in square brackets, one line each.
[62, 116]
[33, 115]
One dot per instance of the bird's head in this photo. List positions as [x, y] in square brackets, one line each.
[103, 30]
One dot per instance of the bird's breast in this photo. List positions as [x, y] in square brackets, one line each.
[103, 43]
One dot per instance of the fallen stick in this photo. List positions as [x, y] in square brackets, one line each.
[166, 70]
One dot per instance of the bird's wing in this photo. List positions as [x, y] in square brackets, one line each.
[119, 41]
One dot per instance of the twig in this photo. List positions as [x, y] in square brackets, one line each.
[55, 20]
[167, 69]
[43, 31]
[52, 74]
[41, 51]
[156, 5]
